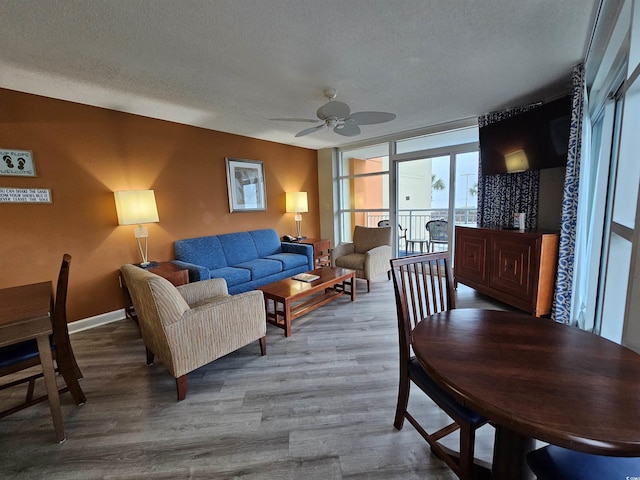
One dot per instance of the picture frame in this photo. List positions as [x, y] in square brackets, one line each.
[25, 195]
[17, 163]
[245, 185]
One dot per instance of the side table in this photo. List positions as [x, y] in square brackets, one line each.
[175, 274]
[321, 249]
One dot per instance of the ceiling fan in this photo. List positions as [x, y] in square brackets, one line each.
[337, 115]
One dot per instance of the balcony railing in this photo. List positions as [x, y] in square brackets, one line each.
[414, 220]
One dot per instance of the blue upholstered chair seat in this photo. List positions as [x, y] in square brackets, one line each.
[19, 352]
[426, 383]
[261, 267]
[232, 275]
[289, 260]
[556, 463]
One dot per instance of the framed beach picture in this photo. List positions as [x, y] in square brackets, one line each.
[245, 182]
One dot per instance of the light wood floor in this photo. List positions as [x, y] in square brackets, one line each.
[319, 405]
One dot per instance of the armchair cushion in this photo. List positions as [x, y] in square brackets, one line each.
[365, 238]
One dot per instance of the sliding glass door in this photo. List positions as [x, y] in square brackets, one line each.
[407, 183]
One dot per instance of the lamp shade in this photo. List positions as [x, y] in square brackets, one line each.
[135, 207]
[297, 202]
[516, 161]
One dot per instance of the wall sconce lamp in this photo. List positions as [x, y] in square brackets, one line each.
[297, 203]
[137, 207]
[516, 161]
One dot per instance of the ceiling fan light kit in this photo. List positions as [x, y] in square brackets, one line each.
[337, 116]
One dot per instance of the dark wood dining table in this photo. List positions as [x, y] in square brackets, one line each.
[25, 314]
[535, 379]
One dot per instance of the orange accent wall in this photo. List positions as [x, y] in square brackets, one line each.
[84, 154]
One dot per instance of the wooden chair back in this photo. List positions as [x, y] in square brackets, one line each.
[423, 286]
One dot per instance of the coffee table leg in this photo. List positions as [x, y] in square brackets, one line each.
[287, 317]
[353, 287]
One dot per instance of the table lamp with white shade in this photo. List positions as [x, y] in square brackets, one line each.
[297, 203]
[137, 207]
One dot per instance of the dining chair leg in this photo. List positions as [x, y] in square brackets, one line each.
[368, 286]
[65, 365]
[467, 445]
[46, 361]
[181, 383]
[150, 356]
[403, 402]
[263, 345]
[30, 389]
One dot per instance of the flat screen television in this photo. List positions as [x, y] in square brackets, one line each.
[536, 139]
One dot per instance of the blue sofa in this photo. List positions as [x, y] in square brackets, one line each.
[246, 260]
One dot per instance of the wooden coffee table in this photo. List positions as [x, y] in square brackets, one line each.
[288, 298]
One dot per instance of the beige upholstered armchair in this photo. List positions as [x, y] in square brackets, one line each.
[189, 326]
[369, 254]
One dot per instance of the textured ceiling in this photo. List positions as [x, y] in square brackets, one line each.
[232, 65]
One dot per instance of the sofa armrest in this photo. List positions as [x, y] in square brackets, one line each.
[341, 250]
[196, 272]
[300, 248]
[198, 291]
[377, 261]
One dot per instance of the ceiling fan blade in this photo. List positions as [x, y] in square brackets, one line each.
[371, 118]
[295, 120]
[333, 109]
[347, 129]
[307, 131]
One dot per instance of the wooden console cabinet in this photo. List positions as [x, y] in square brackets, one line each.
[517, 268]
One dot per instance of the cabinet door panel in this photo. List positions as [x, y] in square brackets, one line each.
[470, 256]
[513, 262]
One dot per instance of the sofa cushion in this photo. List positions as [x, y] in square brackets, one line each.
[232, 275]
[267, 242]
[261, 267]
[204, 251]
[238, 247]
[289, 260]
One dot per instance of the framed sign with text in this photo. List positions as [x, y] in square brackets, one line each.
[17, 163]
[25, 195]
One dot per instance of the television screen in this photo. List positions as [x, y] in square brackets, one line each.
[536, 139]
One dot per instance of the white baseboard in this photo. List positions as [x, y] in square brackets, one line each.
[92, 322]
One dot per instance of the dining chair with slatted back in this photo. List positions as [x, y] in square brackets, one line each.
[423, 286]
[21, 356]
